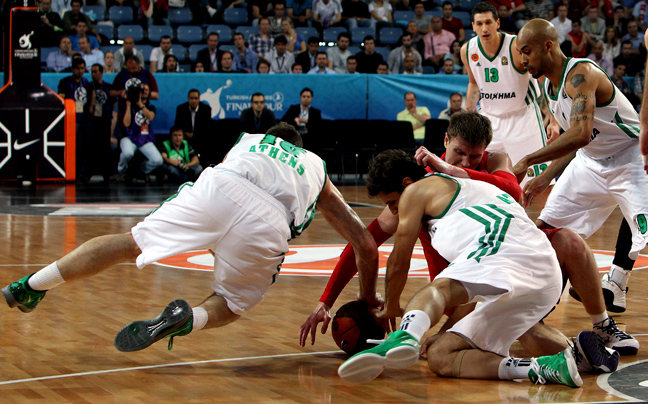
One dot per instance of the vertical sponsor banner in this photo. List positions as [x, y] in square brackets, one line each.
[387, 92]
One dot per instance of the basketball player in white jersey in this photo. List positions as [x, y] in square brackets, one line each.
[598, 152]
[643, 115]
[245, 210]
[498, 259]
[506, 93]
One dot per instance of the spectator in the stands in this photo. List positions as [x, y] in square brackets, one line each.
[61, 59]
[263, 67]
[327, 13]
[296, 69]
[262, 42]
[355, 13]
[211, 55]
[352, 65]
[296, 42]
[109, 62]
[276, 19]
[280, 59]
[154, 12]
[301, 12]
[307, 59]
[70, 19]
[198, 67]
[81, 29]
[90, 56]
[368, 59]
[227, 62]
[127, 49]
[382, 68]
[338, 55]
[257, 118]
[245, 60]
[171, 64]
[452, 24]
[50, 24]
[158, 53]
[321, 65]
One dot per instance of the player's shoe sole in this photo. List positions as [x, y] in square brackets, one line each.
[175, 320]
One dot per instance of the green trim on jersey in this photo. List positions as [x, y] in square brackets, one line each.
[543, 132]
[627, 129]
[498, 50]
[454, 197]
[239, 138]
[496, 234]
[605, 104]
[190, 184]
[511, 56]
[562, 78]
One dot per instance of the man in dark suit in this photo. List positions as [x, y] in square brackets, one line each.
[305, 118]
[257, 118]
[194, 118]
[307, 59]
[210, 56]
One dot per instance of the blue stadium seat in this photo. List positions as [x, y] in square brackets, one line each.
[464, 16]
[46, 51]
[331, 34]
[180, 52]
[358, 34]
[135, 31]
[106, 30]
[146, 51]
[224, 32]
[98, 12]
[404, 16]
[468, 5]
[180, 16]
[354, 49]
[390, 35]
[435, 13]
[383, 50]
[247, 31]
[156, 32]
[229, 48]
[193, 51]
[470, 34]
[120, 15]
[111, 48]
[307, 32]
[189, 34]
[235, 16]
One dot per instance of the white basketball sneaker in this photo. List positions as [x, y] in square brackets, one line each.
[614, 294]
[616, 339]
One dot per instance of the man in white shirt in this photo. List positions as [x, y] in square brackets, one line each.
[600, 59]
[327, 13]
[280, 60]
[338, 55]
[562, 23]
[158, 54]
[321, 65]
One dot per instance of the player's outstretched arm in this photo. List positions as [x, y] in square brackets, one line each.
[582, 86]
[472, 92]
[346, 222]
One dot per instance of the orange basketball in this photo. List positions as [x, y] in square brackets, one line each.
[352, 325]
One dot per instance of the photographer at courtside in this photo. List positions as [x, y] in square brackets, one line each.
[139, 134]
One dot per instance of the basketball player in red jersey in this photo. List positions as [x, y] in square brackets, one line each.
[466, 157]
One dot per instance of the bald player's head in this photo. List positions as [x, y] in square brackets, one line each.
[538, 43]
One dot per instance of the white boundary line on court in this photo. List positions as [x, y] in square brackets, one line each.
[98, 372]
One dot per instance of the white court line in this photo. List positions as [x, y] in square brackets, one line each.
[98, 372]
[602, 381]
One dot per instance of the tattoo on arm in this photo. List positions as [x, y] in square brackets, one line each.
[578, 107]
[577, 80]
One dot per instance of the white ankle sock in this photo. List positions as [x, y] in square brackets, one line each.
[513, 368]
[416, 322]
[46, 278]
[597, 318]
[620, 275]
[200, 317]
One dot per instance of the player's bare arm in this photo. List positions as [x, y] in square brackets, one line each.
[517, 56]
[345, 221]
[643, 117]
[472, 93]
[499, 161]
[540, 183]
[586, 85]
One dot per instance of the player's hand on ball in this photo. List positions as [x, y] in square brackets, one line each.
[534, 188]
[389, 314]
[321, 314]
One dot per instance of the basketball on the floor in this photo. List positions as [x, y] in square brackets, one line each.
[352, 325]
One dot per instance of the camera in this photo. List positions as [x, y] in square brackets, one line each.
[133, 93]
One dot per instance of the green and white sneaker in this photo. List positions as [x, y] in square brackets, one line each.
[19, 294]
[400, 350]
[560, 368]
[175, 320]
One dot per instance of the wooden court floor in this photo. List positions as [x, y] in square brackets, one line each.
[63, 351]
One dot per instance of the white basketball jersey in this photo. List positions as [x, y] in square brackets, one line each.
[480, 221]
[503, 88]
[292, 175]
[616, 123]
